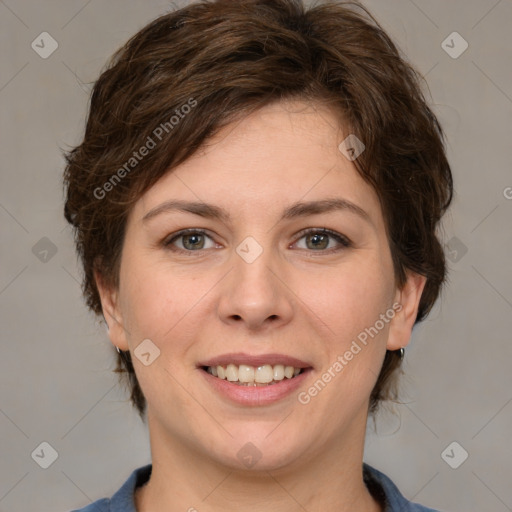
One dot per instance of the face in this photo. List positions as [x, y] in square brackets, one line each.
[289, 267]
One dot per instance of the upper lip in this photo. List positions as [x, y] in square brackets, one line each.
[254, 360]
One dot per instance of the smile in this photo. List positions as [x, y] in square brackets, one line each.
[247, 375]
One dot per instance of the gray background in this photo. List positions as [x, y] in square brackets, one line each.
[55, 366]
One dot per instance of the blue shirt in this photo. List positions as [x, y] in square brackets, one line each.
[379, 485]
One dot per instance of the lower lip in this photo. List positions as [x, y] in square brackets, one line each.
[256, 395]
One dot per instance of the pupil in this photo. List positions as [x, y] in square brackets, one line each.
[194, 243]
[318, 236]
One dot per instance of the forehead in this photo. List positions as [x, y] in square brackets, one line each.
[279, 155]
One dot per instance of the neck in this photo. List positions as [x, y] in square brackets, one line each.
[184, 479]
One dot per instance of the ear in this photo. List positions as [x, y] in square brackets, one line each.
[111, 312]
[401, 325]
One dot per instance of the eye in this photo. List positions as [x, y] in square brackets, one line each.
[319, 239]
[191, 240]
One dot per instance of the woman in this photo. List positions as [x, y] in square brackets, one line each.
[255, 205]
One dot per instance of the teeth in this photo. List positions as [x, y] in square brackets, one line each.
[231, 373]
[278, 372]
[247, 375]
[264, 374]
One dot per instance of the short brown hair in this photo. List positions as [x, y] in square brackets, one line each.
[227, 59]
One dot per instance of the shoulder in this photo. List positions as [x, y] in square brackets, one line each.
[385, 491]
[102, 505]
[124, 499]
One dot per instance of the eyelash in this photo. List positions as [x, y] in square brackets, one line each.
[342, 240]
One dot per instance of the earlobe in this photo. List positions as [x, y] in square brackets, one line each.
[111, 312]
[409, 297]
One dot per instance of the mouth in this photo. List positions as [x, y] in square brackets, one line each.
[256, 376]
[254, 380]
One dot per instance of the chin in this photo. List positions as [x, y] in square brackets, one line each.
[261, 449]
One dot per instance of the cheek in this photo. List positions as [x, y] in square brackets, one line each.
[166, 305]
[151, 302]
[356, 295]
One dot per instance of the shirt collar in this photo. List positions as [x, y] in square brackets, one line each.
[380, 486]
[124, 499]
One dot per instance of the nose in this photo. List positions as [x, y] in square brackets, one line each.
[255, 293]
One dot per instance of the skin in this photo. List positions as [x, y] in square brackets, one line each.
[297, 298]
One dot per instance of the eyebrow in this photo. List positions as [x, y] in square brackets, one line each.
[296, 210]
